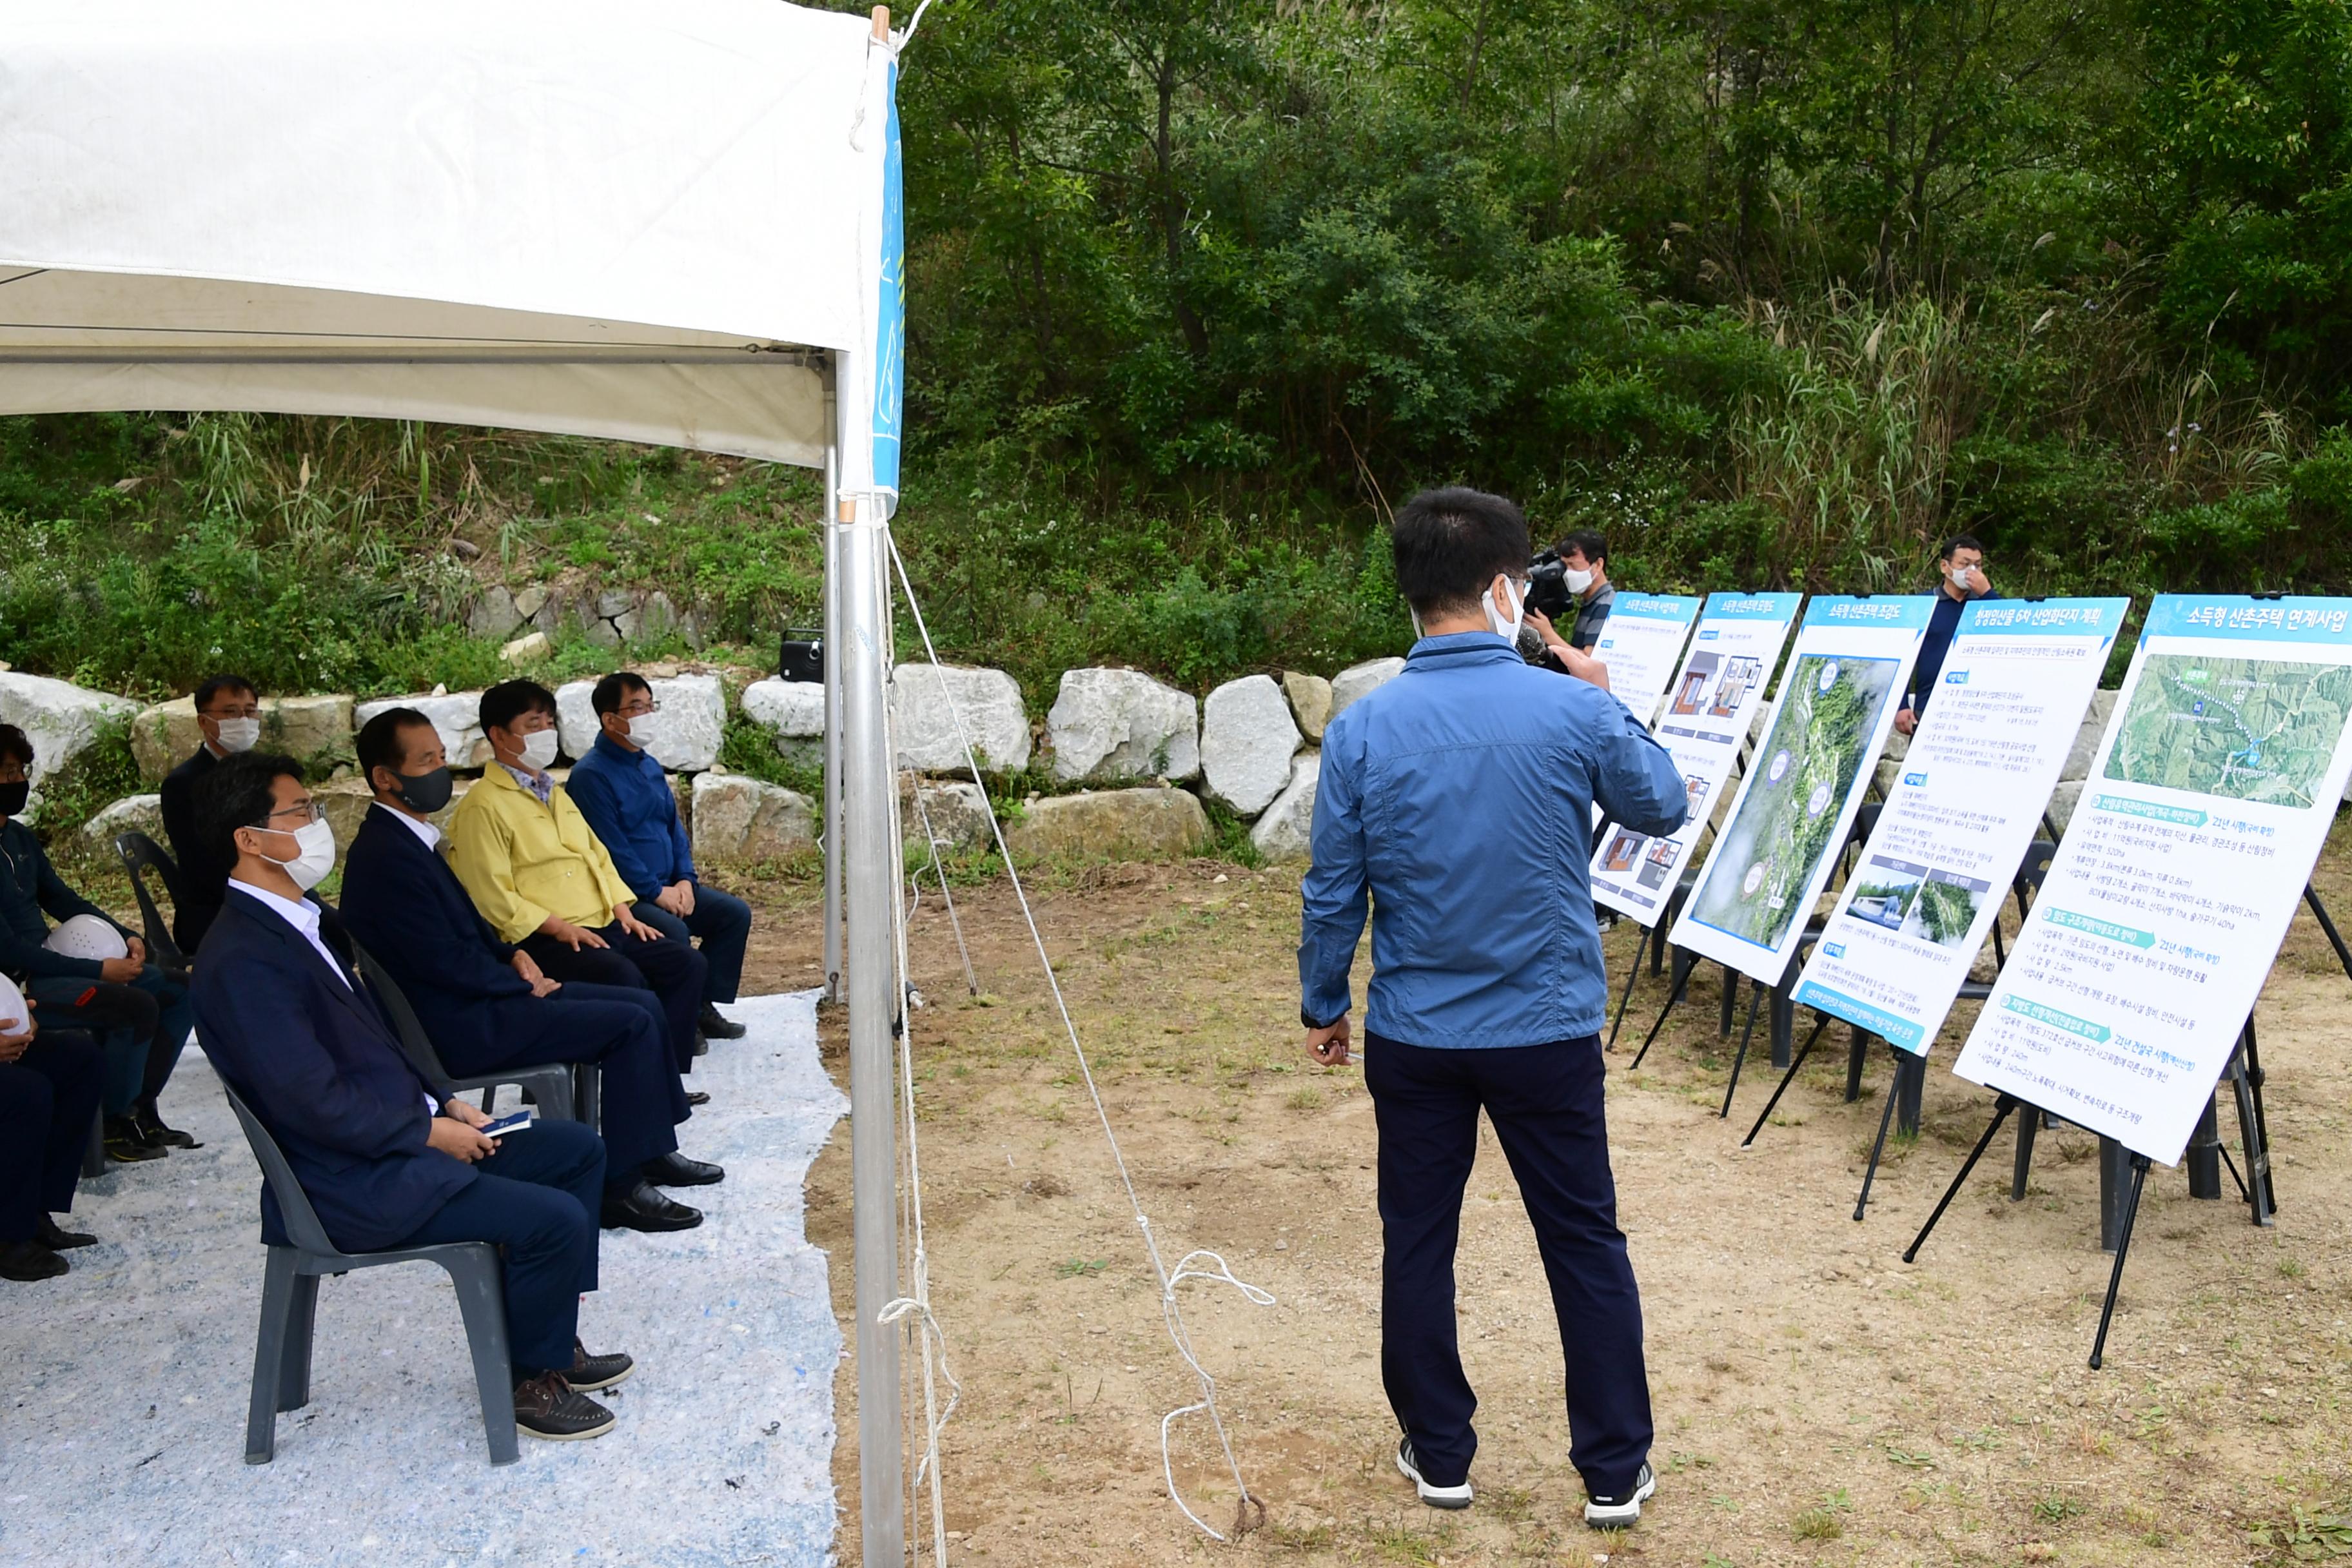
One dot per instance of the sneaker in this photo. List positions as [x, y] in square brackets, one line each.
[1436, 1497]
[127, 1144]
[1618, 1512]
[718, 1026]
[546, 1407]
[591, 1372]
[26, 1261]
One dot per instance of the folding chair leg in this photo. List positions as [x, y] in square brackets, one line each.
[269, 1355]
[481, 1298]
[588, 1095]
[301, 1318]
[93, 1153]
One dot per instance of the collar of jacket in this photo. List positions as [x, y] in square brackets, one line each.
[1456, 649]
[617, 751]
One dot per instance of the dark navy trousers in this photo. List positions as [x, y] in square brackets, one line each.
[1546, 1104]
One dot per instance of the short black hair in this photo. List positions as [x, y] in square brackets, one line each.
[214, 685]
[380, 745]
[1587, 543]
[613, 690]
[15, 742]
[240, 792]
[1959, 542]
[510, 699]
[1450, 543]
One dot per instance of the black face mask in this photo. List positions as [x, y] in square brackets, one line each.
[12, 797]
[427, 792]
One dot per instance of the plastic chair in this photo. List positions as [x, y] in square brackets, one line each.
[139, 854]
[563, 1091]
[289, 1301]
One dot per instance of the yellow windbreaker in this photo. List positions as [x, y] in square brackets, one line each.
[522, 861]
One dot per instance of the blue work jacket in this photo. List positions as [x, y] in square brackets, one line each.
[626, 799]
[1459, 797]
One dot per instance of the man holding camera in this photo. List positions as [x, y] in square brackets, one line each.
[1458, 800]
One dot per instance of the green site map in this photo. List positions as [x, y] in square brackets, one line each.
[2243, 729]
[1829, 707]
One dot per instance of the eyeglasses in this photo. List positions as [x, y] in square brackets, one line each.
[304, 813]
[628, 711]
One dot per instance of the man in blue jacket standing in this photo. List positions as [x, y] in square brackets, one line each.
[626, 797]
[1458, 799]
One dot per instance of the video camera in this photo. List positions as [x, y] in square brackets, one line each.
[1547, 592]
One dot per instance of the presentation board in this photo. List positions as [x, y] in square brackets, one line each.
[1709, 707]
[2206, 809]
[1967, 802]
[1639, 642]
[1796, 803]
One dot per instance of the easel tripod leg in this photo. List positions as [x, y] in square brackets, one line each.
[2335, 938]
[1631, 974]
[2123, 1248]
[1877, 1150]
[2002, 1108]
[1754, 1000]
[1682, 982]
[1787, 1079]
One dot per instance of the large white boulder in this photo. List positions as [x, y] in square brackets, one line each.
[1122, 724]
[1359, 679]
[737, 818]
[1112, 823]
[794, 710]
[457, 717]
[1286, 831]
[926, 700]
[686, 738]
[1310, 703]
[1248, 738]
[132, 814]
[59, 716]
[2086, 748]
[2063, 802]
[956, 810]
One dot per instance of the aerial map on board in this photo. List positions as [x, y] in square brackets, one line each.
[1807, 763]
[2243, 729]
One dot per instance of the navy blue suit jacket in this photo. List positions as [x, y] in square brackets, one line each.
[321, 1067]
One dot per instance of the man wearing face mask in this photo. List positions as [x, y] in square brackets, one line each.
[545, 882]
[1457, 802]
[1961, 581]
[621, 789]
[228, 712]
[386, 1159]
[485, 1004]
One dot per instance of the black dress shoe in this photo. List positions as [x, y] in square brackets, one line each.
[674, 1170]
[591, 1372]
[50, 1235]
[546, 1406]
[648, 1208]
[151, 1127]
[127, 1144]
[696, 1097]
[28, 1260]
[717, 1024]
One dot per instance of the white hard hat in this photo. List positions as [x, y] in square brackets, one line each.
[86, 936]
[13, 1011]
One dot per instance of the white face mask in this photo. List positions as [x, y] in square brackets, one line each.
[1578, 582]
[538, 750]
[1506, 627]
[643, 728]
[309, 867]
[238, 734]
[1959, 577]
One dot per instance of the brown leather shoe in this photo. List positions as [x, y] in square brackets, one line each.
[546, 1407]
[591, 1372]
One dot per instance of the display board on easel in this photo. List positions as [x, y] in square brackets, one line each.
[1640, 642]
[1797, 802]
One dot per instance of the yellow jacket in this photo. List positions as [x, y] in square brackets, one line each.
[522, 861]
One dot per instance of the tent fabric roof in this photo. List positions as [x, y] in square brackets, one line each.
[658, 222]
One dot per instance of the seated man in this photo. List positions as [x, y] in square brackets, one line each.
[625, 796]
[228, 712]
[139, 1013]
[541, 878]
[48, 1092]
[386, 1159]
[484, 1003]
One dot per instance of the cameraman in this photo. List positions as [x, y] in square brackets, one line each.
[1459, 797]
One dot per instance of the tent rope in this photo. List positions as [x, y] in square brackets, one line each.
[1199, 1264]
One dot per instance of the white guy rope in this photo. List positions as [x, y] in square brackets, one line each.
[1199, 1264]
[914, 884]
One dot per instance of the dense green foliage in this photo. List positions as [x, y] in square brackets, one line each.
[1777, 294]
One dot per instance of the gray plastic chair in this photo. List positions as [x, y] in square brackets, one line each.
[141, 855]
[563, 1091]
[289, 1301]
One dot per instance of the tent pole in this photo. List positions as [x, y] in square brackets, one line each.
[832, 672]
[870, 861]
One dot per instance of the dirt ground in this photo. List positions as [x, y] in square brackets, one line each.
[1818, 1400]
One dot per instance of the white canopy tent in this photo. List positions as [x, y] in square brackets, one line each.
[675, 223]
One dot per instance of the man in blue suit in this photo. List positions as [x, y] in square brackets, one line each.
[386, 1159]
[486, 1006]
